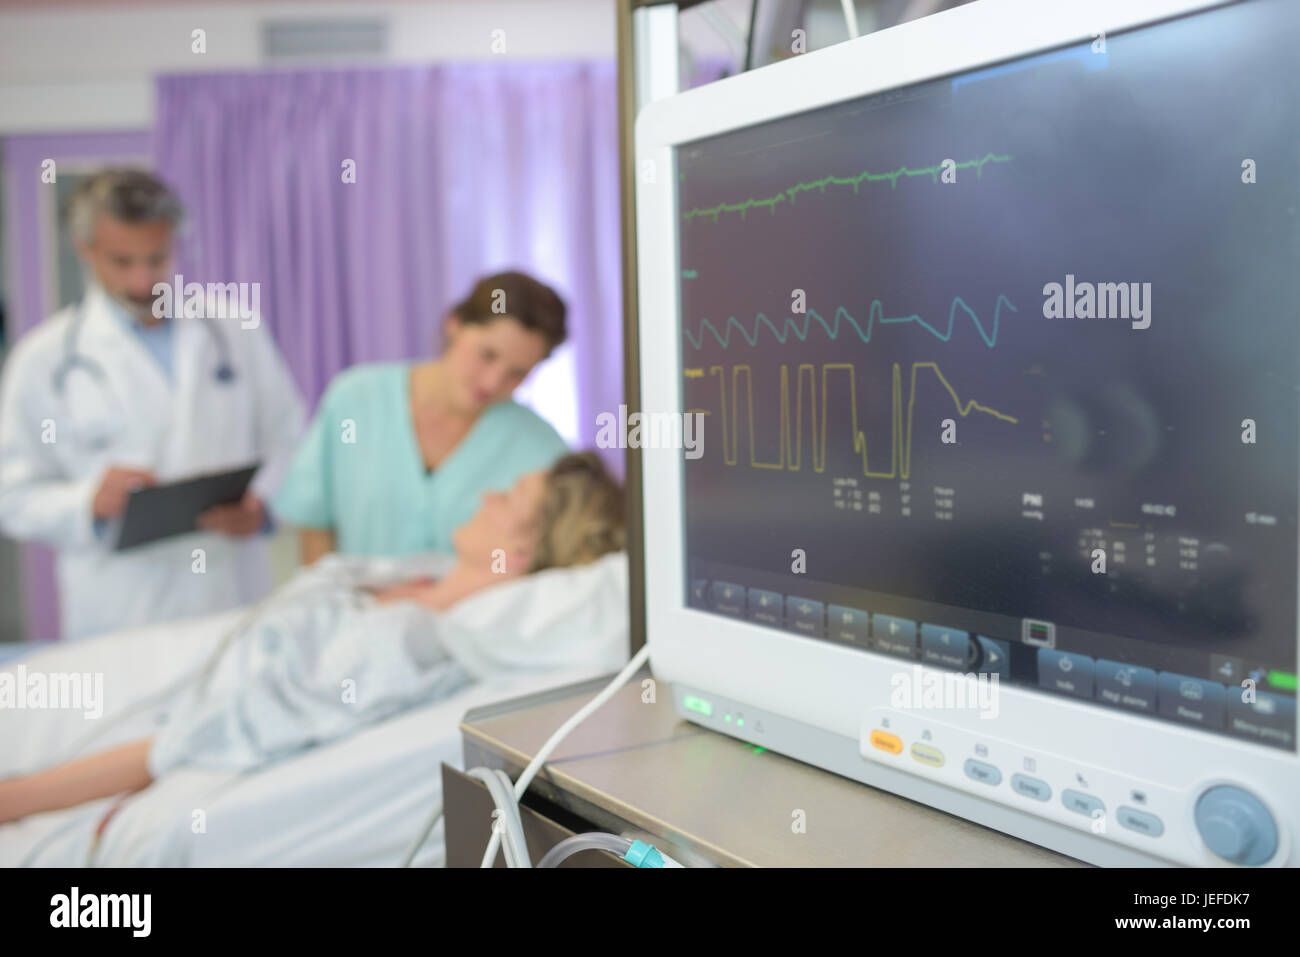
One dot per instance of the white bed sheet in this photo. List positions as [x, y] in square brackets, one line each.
[356, 802]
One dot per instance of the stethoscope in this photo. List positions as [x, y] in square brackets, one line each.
[72, 359]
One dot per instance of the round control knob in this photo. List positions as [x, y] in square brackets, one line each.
[1235, 825]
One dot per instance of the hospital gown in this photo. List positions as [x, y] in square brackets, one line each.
[321, 660]
[359, 470]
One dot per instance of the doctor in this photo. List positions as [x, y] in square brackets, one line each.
[105, 397]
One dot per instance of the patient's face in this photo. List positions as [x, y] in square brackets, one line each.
[489, 360]
[506, 520]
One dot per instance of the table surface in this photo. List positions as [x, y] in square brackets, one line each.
[709, 798]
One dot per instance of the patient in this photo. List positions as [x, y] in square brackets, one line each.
[569, 514]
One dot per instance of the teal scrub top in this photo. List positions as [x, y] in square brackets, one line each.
[359, 470]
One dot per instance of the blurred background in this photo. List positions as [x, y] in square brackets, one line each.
[484, 135]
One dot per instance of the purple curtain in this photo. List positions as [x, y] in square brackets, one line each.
[460, 170]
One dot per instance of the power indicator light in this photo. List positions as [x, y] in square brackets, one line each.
[1285, 680]
[698, 705]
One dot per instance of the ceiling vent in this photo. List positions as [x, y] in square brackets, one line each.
[341, 39]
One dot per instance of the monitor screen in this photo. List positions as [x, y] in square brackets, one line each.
[999, 372]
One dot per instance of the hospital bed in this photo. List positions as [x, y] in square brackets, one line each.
[355, 802]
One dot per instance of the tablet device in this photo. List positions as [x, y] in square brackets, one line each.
[162, 511]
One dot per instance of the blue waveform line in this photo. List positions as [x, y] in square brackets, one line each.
[876, 314]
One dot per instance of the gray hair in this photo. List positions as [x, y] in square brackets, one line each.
[127, 195]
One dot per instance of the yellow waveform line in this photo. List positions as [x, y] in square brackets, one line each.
[790, 446]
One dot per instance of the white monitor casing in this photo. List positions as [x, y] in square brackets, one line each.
[820, 700]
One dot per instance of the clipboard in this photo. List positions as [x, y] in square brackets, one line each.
[164, 511]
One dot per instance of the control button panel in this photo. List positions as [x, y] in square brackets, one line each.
[1186, 824]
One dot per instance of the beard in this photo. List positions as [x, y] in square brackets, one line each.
[140, 308]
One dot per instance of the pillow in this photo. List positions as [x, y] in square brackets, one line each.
[557, 619]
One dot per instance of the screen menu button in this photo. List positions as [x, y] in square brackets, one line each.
[805, 616]
[847, 624]
[1192, 700]
[1065, 673]
[1126, 686]
[894, 636]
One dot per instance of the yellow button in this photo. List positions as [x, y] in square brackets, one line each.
[928, 755]
[887, 742]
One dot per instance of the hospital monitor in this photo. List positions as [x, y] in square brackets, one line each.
[990, 321]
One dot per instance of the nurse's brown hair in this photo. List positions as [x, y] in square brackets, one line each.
[582, 514]
[515, 295]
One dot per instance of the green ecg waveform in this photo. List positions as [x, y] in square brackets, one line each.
[790, 453]
[866, 176]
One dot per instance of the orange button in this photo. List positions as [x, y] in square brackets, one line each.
[887, 742]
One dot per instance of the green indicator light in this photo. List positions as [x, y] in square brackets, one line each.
[728, 719]
[740, 722]
[759, 750]
[698, 705]
[1282, 679]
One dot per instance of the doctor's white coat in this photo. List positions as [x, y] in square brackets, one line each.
[55, 447]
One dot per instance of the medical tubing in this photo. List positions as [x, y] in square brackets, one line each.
[522, 857]
[544, 753]
[506, 821]
[502, 819]
[434, 816]
[596, 840]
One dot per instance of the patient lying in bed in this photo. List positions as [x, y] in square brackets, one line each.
[317, 663]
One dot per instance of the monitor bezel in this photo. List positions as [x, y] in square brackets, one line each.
[700, 649]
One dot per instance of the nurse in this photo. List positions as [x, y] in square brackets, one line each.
[399, 453]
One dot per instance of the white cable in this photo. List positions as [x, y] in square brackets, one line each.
[494, 844]
[553, 742]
